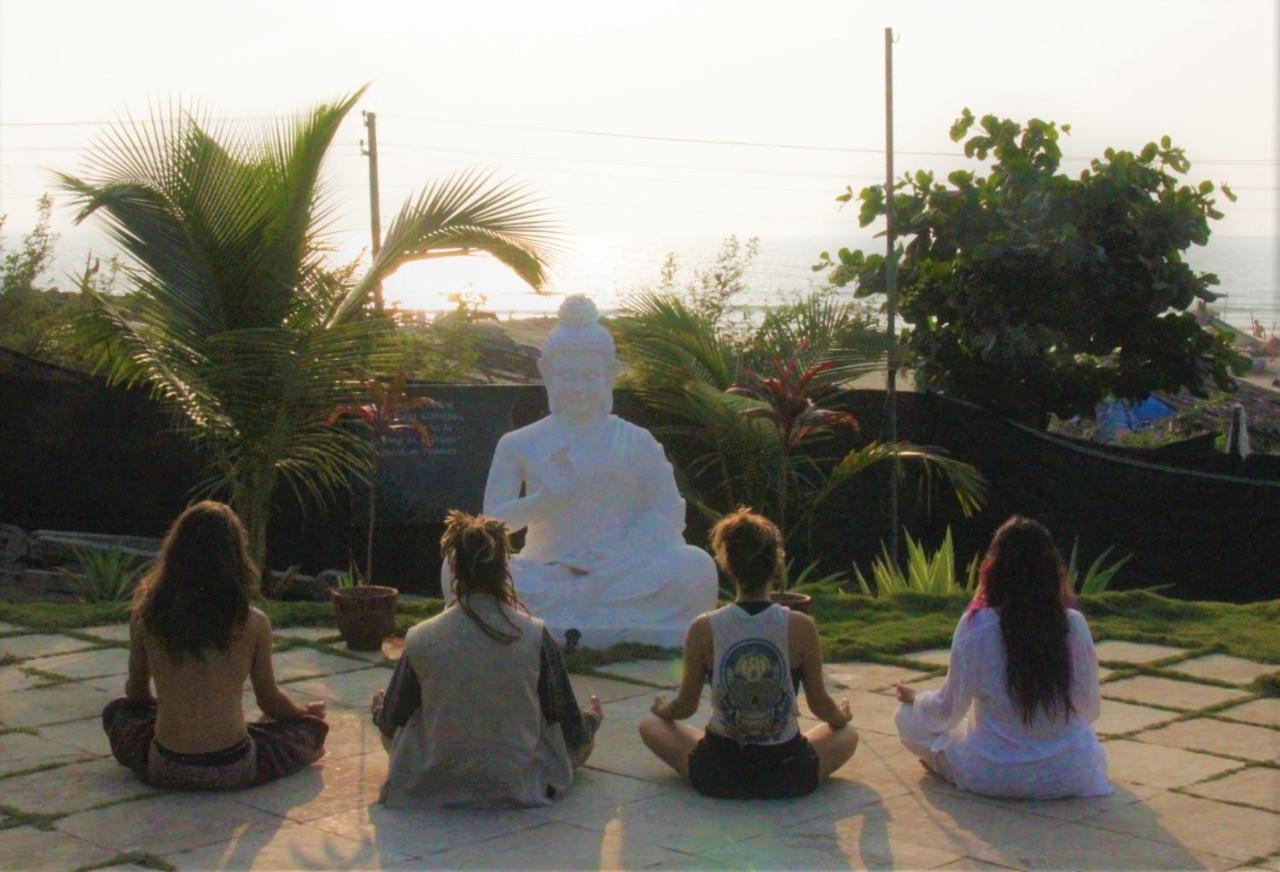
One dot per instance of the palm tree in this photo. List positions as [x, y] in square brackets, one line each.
[241, 326]
[739, 437]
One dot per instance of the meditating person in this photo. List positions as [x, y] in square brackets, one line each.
[479, 710]
[756, 654]
[604, 550]
[194, 632]
[1024, 662]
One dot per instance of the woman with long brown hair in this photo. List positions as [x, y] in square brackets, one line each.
[196, 634]
[1024, 661]
[479, 710]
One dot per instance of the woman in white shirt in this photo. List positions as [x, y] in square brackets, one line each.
[1023, 660]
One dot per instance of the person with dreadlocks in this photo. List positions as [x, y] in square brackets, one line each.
[1024, 661]
[479, 710]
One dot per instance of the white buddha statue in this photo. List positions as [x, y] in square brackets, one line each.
[605, 553]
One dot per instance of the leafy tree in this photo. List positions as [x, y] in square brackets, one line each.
[1033, 292]
[26, 306]
[241, 326]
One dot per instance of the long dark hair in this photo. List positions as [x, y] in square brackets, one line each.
[478, 550]
[200, 588]
[748, 548]
[1023, 577]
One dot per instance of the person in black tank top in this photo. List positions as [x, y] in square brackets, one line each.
[756, 655]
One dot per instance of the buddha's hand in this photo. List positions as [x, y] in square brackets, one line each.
[558, 475]
[585, 560]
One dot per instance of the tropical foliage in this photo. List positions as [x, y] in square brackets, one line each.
[770, 441]
[1033, 292]
[923, 573]
[242, 326]
[106, 575]
[1099, 575]
[385, 413]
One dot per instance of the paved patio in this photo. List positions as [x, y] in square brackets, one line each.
[1194, 755]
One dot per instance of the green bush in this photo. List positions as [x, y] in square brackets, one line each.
[106, 575]
[924, 573]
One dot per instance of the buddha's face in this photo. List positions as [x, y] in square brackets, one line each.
[579, 384]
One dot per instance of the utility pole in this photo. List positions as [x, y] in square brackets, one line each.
[375, 214]
[891, 289]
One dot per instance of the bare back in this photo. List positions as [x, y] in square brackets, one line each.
[200, 707]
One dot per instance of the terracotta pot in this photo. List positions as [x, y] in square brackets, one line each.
[797, 602]
[365, 615]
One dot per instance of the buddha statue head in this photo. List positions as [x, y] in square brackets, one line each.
[578, 363]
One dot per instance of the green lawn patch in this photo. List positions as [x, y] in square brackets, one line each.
[853, 626]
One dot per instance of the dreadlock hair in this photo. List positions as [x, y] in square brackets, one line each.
[478, 550]
[1023, 576]
[199, 590]
[748, 549]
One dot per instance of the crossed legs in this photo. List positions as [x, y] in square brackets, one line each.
[674, 741]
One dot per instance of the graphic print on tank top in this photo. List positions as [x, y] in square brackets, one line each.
[753, 690]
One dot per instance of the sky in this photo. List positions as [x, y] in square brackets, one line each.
[581, 101]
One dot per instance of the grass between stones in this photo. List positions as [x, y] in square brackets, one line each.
[131, 858]
[852, 626]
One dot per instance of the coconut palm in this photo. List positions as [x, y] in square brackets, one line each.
[241, 326]
[766, 440]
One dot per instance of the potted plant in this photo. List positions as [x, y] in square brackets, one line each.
[365, 613]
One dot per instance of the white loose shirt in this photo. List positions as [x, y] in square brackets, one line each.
[994, 752]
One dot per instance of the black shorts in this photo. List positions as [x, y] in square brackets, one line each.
[724, 769]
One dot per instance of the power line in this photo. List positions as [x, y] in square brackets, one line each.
[609, 134]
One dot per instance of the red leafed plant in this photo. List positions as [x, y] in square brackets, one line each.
[389, 403]
[790, 400]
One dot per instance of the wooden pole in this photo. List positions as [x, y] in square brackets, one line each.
[891, 290]
[375, 209]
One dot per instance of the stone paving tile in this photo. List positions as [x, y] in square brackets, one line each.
[426, 832]
[108, 633]
[1184, 695]
[1123, 717]
[291, 846]
[12, 628]
[71, 788]
[1080, 809]
[351, 690]
[685, 821]
[13, 678]
[857, 841]
[618, 748]
[71, 701]
[41, 645]
[326, 788]
[1202, 824]
[609, 690]
[298, 663]
[868, 676]
[1158, 766]
[933, 656]
[169, 822]
[21, 751]
[30, 848]
[557, 846]
[1265, 711]
[1134, 652]
[351, 733]
[1218, 737]
[871, 711]
[935, 820]
[85, 664]
[594, 789]
[934, 683]
[663, 673]
[1222, 667]
[1258, 786]
[83, 735]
